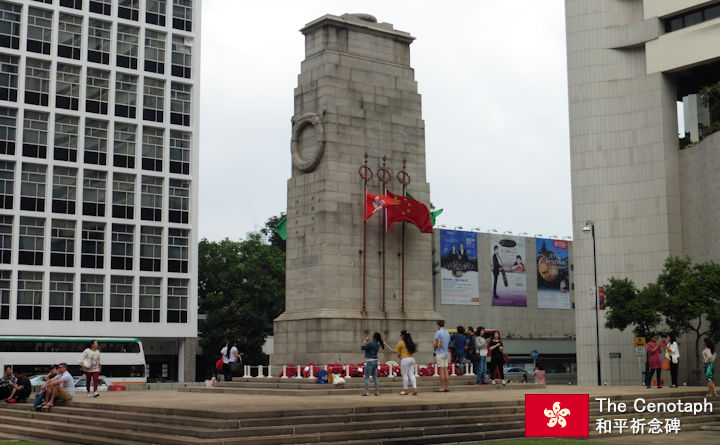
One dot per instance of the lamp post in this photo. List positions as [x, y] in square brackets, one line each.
[590, 227]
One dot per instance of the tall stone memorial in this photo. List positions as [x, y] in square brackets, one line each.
[356, 94]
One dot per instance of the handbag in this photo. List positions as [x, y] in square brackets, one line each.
[219, 364]
[235, 366]
[666, 364]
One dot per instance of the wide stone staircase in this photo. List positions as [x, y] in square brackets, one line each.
[89, 422]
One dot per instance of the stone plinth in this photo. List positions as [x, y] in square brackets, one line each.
[356, 94]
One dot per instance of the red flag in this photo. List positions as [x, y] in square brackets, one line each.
[409, 210]
[557, 415]
[373, 203]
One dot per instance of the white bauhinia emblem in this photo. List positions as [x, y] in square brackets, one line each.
[557, 415]
[378, 204]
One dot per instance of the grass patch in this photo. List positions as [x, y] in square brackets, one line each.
[19, 442]
[543, 442]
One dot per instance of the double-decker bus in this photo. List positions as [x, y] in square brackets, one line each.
[123, 359]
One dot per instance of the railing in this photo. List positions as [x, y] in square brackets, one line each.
[266, 371]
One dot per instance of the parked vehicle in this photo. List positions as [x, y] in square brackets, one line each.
[80, 384]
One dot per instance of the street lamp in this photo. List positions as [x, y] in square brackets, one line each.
[590, 227]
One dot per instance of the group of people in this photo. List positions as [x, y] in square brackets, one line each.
[14, 386]
[447, 348]
[231, 361]
[668, 348]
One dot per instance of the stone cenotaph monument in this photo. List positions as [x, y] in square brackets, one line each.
[356, 94]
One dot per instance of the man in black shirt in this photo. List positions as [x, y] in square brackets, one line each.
[21, 388]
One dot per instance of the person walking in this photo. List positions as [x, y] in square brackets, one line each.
[672, 352]
[497, 358]
[654, 361]
[442, 355]
[371, 349]
[91, 366]
[405, 349]
[229, 356]
[708, 362]
[481, 348]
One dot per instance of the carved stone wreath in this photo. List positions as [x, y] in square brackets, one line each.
[309, 163]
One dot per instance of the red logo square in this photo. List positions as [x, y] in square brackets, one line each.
[557, 415]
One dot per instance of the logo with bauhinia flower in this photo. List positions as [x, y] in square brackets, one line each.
[557, 415]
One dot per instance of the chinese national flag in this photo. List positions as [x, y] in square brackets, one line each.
[409, 210]
[557, 415]
[373, 203]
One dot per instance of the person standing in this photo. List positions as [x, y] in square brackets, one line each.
[672, 352]
[458, 352]
[442, 355]
[481, 346]
[708, 362]
[229, 356]
[91, 365]
[371, 349]
[405, 348]
[497, 358]
[654, 361]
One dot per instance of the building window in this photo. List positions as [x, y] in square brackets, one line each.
[150, 299]
[121, 298]
[91, 297]
[179, 202]
[177, 300]
[8, 77]
[125, 95]
[178, 242]
[4, 294]
[35, 134]
[153, 99]
[94, 192]
[181, 56]
[129, 9]
[93, 245]
[180, 152]
[66, 138]
[61, 296]
[39, 30]
[32, 188]
[154, 51]
[101, 7]
[98, 85]
[180, 100]
[127, 46]
[10, 29]
[75, 4]
[121, 250]
[123, 195]
[124, 145]
[99, 41]
[7, 181]
[37, 82]
[95, 141]
[155, 12]
[8, 122]
[62, 243]
[69, 36]
[150, 248]
[64, 190]
[29, 295]
[67, 95]
[151, 198]
[182, 15]
[152, 148]
[6, 223]
[31, 241]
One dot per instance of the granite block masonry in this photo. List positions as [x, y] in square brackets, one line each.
[356, 94]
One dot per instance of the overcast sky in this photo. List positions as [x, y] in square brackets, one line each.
[493, 80]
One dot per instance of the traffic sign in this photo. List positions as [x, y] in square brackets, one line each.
[640, 341]
[534, 354]
[639, 351]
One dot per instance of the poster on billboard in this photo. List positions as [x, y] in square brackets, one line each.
[553, 275]
[458, 266]
[508, 271]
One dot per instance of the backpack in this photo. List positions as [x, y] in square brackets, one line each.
[451, 345]
[471, 353]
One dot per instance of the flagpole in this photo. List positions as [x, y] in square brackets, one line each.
[366, 174]
[384, 176]
[404, 179]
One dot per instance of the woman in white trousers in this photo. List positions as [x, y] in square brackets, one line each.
[405, 348]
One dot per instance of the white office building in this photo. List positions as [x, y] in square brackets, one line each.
[99, 103]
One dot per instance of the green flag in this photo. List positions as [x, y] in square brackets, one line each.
[434, 215]
[281, 228]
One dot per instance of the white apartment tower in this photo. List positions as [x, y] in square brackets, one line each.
[98, 173]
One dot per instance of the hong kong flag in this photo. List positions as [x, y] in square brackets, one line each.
[373, 203]
[557, 415]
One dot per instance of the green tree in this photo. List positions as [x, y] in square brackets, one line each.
[627, 306]
[269, 230]
[691, 298]
[241, 289]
